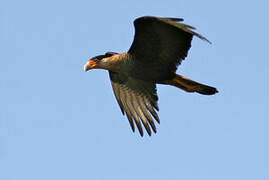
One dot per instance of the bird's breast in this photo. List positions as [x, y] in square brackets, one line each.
[128, 65]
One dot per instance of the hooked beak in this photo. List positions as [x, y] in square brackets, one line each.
[91, 64]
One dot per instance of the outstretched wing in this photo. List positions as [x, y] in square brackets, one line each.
[137, 99]
[164, 41]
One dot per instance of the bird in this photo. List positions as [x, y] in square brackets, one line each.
[160, 45]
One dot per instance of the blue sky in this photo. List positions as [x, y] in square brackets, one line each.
[58, 122]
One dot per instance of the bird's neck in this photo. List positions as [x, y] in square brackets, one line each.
[116, 63]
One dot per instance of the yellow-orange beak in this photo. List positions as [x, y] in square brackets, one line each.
[91, 64]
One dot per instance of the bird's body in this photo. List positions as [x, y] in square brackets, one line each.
[159, 46]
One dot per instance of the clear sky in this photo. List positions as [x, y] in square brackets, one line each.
[58, 122]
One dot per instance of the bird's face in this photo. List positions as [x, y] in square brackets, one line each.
[97, 62]
[93, 63]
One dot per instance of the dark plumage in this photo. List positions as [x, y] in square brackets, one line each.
[159, 46]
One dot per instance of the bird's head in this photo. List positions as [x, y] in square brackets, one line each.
[94, 62]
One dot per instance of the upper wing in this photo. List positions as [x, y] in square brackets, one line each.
[137, 99]
[162, 40]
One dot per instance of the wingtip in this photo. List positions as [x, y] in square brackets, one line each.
[208, 41]
[202, 37]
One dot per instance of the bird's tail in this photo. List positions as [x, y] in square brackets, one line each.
[189, 85]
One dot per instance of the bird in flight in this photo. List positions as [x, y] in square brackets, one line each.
[159, 46]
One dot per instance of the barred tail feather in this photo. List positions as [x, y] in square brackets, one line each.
[189, 85]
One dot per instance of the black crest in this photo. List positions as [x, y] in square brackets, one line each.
[107, 54]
